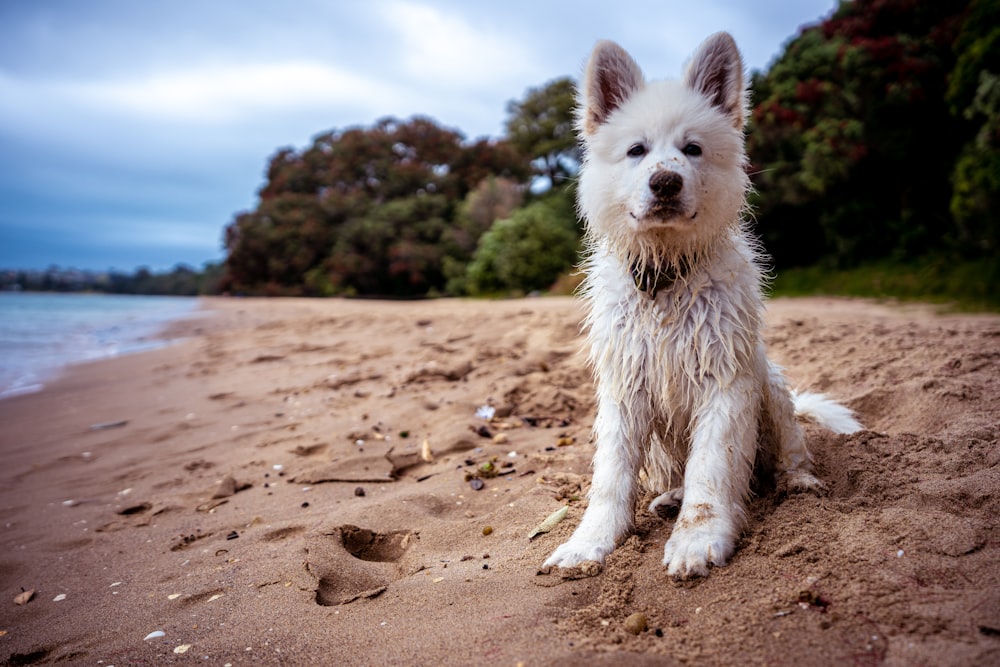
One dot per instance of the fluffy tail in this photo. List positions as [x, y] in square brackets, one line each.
[825, 412]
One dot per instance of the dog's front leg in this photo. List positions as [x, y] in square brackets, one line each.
[621, 439]
[716, 481]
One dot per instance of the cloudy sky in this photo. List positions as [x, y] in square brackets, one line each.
[131, 132]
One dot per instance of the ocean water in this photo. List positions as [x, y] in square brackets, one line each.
[42, 333]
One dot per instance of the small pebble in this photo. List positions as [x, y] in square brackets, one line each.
[636, 623]
[59, 598]
[476, 484]
[305, 504]
[183, 648]
[359, 491]
[487, 530]
[232, 536]
[155, 634]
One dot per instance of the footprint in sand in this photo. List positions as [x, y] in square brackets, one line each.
[351, 563]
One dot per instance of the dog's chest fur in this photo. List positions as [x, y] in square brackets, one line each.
[667, 346]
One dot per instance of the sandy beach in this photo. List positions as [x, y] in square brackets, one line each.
[308, 482]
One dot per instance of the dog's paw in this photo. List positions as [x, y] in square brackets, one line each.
[576, 551]
[667, 505]
[800, 481]
[690, 551]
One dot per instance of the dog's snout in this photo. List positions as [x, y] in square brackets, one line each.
[666, 184]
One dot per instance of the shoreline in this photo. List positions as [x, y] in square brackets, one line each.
[86, 335]
[225, 511]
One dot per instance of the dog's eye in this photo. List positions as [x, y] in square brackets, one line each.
[692, 150]
[636, 150]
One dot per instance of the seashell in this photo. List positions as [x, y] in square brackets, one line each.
[550, 522]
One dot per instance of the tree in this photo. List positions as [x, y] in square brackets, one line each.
[837, 124]
[361, 210]
[493, 199]
[541, 127]
[974, 95]
[528, 250]
[393, 249]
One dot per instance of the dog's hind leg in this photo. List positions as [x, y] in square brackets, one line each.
[621, 440]
[668, 505]
[794, 458]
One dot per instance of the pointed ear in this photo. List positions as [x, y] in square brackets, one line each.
[611, 77]
[716, 71]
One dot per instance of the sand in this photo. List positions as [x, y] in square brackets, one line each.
[295, 482]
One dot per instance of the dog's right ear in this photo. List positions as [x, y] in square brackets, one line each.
[609, 80]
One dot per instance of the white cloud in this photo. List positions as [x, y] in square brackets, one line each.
[210, 94]
[445, 51]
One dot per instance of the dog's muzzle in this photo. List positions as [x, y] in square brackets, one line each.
[666, 187]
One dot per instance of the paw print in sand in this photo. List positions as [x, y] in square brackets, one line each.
[351, 563]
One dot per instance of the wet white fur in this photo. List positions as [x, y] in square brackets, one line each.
[687, 399]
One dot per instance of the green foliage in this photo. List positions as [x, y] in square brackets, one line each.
[395, 248]
[541, 126]
[974, 94]
[528, 250]
[851, 141]
[492, 200]
[363, 211]
[968, 285]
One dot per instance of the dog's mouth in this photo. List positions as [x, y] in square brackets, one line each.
[665, 215]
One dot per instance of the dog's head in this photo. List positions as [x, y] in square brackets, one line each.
[664, 161]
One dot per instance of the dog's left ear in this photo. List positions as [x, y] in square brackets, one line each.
[716, 71]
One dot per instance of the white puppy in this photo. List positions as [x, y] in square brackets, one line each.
[685, 392]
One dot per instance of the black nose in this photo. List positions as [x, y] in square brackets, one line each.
[666, 184]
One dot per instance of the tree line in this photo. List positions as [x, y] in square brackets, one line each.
[182, 280]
